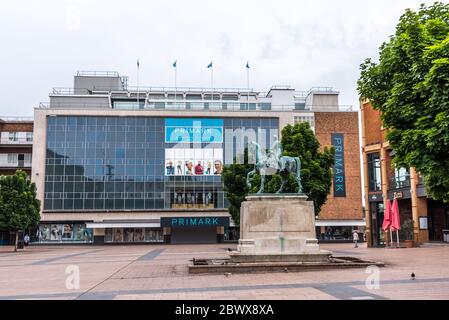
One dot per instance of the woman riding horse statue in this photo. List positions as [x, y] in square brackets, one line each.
[274, 162]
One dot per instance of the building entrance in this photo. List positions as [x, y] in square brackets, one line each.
[438, 214]
[377, 218]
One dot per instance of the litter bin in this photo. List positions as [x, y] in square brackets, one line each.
[446, 235]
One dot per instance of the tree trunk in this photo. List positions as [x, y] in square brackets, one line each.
[16, 242]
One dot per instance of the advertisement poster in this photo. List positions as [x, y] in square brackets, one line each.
[193, 162]
[81, 233]
[56, 232]
[139, 235]
[129, 234]
[44, 232]
[68, 232]
[117, 235]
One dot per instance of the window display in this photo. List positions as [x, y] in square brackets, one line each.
[56, 232]
[128, 233]
[68, 232]
[117, 235]
[134, 235]
[154, 235]
[139, 235]
[64, 232]
[44, 232]
[81, 233]
[193, 200]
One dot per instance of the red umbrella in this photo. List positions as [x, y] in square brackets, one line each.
[387, 217]
[395, 220]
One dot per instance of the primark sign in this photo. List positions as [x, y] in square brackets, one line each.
[190, 130]
[339, 167]
[194, 222]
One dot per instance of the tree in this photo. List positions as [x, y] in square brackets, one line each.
[410, 86]
[316, 174]
[234, 180]
[19, 208]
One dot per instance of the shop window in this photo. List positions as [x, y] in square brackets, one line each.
[48, 233]
[374, 172]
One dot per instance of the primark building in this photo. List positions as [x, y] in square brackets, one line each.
[120, 164]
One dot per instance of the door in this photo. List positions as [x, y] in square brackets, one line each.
[21, 159]
[377, 218]
[194, 235]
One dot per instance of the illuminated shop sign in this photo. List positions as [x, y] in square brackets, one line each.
[193, 130]
[195, 222]
[339, 167]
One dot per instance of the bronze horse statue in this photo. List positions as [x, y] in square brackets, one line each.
[274, 162]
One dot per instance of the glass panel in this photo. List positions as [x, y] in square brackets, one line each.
[374, 172]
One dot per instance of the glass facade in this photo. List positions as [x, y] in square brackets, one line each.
[119, 163]
[374, 172]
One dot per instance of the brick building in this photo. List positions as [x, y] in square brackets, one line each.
[383, 181]
[342, 213]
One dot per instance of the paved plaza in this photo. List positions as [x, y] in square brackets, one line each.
[160, 272]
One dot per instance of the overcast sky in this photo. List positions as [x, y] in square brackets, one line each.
[296, 43]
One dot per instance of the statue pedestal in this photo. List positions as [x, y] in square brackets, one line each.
[278, 228]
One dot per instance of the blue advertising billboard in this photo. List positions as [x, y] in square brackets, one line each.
[193, 130]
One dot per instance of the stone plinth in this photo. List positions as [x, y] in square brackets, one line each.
[278, 228]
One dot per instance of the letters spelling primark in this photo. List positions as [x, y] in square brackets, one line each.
[339, 167]
[194, 221]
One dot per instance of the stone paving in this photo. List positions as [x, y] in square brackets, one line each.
[160, 272]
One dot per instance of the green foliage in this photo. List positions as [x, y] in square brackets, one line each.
[410, 86]
[234, 180]
[316, 174]
[19, 208]
[297, 141]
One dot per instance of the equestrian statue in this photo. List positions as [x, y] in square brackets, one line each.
[274, 162]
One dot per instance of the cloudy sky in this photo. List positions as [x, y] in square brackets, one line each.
[297, 43]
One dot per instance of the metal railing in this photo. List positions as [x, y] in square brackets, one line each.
[181, 91]
[84, 73]
[192, 105]
[321, 89]
[400, 182]
[65, 91]
[16, 141]
[21, 164]
[17, 119]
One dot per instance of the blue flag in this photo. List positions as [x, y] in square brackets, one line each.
[210, 65]
[247, 65]
[174, 63]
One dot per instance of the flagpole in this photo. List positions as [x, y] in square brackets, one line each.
[176, 86]
[212, 79]
[138, 65]
[247, 79]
